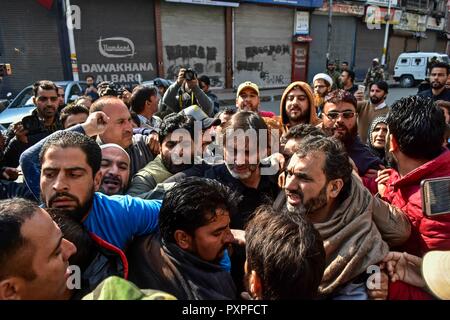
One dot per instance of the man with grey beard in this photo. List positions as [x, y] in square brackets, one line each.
[356, 228]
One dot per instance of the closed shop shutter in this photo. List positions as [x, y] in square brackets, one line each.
[194, 36]
[370, 45]
[342, 42]
[29, 42]
[263, 45]
[116, 41]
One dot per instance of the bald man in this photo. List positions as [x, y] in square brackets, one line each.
[115, 169]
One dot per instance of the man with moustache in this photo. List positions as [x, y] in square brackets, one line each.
[356, 228]
[163, 166]
[34, 255]
[194, 231]
[142, 149]
[115, 169]
[438, 79]
[43, 121]
[375, 107]
[69, 176]
[297, 106]
[339, 120]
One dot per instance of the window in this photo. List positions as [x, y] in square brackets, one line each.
[404, 62]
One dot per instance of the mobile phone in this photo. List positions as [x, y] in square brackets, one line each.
[435, 196]
[361, 88]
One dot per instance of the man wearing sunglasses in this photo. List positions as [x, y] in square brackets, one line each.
[43, 121]
[339, 120]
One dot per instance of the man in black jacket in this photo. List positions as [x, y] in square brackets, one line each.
[43, 121]
[185, 258]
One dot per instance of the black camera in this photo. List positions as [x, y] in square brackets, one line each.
[190, 74]
[109, 88]
[32, 125]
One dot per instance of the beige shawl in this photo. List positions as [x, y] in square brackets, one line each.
[352, 241]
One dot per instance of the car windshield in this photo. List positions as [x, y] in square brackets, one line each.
[444, 59]
[22, 99]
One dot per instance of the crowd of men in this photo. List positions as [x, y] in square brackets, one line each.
[158, 190]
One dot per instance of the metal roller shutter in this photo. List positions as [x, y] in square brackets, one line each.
[342, 42]
[116, 42]
[263, 45]
[29, 41]
[194, 36]
[370, 45]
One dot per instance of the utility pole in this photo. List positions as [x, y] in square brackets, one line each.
[73, 52]
[386, 34]
[330, 17]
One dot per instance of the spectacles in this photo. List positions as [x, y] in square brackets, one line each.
[333, 115]
[45, 99]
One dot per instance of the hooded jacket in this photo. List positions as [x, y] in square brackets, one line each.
[313, 119]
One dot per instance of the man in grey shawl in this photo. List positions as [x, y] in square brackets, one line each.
[357, 229]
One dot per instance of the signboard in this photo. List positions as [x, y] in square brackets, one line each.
[300, 62]
[435, 24]
[116, 51]
[301, 22]
[376, 15]
[209, 2]
[350, 9]
[412, 22]
[384, 3]
[296, 3]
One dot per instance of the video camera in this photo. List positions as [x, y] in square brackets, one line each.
[109, 88]
[5, 69]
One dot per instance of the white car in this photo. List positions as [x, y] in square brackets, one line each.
[411, 67]
[22, 105]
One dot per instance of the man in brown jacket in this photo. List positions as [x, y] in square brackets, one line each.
[372, 108]
[297, 106]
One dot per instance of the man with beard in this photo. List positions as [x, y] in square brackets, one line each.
[43, 121]
[194, 231]
[245, 139]
[438, 79]
[142, 149]
[375, 107]
[339, 120]
[163, 166]
[285, 257]
[115, 169]
[355, 227]
[66, 168]
[297, 106]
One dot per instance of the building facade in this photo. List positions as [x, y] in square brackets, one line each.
[265, 41]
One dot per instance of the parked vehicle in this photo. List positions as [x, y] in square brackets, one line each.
[22, 105]
[412, 67]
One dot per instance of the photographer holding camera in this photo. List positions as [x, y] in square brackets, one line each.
[185, 92]
[43, 121]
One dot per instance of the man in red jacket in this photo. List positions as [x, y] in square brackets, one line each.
[417, 128]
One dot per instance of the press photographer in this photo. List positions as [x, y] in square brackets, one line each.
[185, 92]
